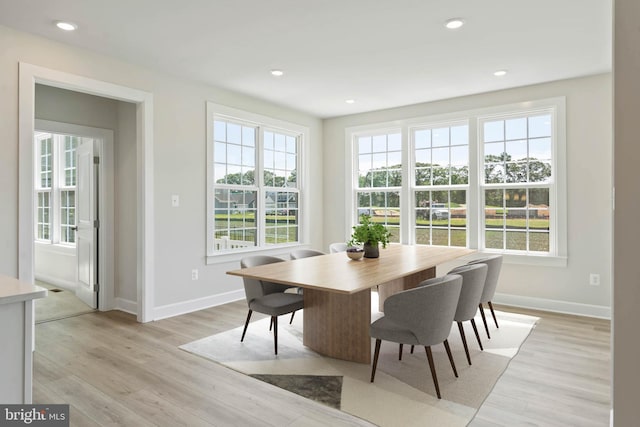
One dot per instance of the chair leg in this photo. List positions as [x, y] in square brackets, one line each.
[453, 364]
[475, 329]
[411, 348]
[375, 359]
[400, 352]
[484, 320]
[464, 341]
[244, 331]
[433, 370]
[271, 324]
[493, 314]
[293, 313]
[274, 320]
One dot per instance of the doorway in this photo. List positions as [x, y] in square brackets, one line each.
[70, 189]
[142, 186]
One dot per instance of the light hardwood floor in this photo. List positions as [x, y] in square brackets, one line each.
[115, 371]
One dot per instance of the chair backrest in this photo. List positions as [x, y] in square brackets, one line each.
[494, 264]
[473, 278]
[254, 288]
[337, 247]
[305, 253]
[427, 310]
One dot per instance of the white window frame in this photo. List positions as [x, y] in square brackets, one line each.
[557, 257]
[58, 185]
[263, 123]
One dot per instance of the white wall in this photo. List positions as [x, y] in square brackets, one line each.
[589, 131]
[179, 165]
[125, 227]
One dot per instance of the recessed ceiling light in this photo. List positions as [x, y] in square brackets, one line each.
[350, 101]
[277, 73]
[67, 26]
[500, 73]
[454, 23]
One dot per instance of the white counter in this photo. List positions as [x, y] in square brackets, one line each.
[16, 339]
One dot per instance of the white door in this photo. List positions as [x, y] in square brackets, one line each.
[86, 223]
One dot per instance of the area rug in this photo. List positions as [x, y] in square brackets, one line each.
[402, 394]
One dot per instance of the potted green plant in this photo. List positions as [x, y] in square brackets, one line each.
[370, 235]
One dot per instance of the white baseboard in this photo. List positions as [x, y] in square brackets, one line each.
[179, 308]
[52, 280]
[566, 307]
[126, 305]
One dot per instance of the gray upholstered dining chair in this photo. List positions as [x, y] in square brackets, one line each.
[494, 264]
[268, 298]
[337, 247]
[420, 316]
[473, 278]
[304, 253]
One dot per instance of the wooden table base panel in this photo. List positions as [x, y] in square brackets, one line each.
[337, 325]
[387, 289]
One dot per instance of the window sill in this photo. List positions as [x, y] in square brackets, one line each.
[230, 257]
[529, 259]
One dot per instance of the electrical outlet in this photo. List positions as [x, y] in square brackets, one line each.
[594, 279]
[194, 274]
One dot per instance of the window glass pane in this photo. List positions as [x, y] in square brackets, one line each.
[248, 136]
[268, 140]
[516, 241]
[422, 138]
[379, 143]
[220, 152]
[516, 150]
[516, 128]
[440, 137]
[423, 176]
[539, 171]
[539, 126]
[234, 219]
[423, 157]
[460, 135]
[539, 242]
[460, 155]
[493, 152]
[280, 162]
[219, 130]
[234, 133]
[540, 149]
[364, 144]
[494, 173]
[493, 131]
[394, 159]
[394, 142]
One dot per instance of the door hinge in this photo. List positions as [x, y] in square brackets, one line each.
[96, 223]
[96, 287]
[96, 160]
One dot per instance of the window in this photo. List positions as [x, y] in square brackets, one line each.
[486, 179]
[441, 169]
[254, 178]
[55, 187]
[517, 181]
[379, 166]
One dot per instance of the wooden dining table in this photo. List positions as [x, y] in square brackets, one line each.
[337, 291]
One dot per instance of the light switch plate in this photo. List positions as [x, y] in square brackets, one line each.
[175, 200]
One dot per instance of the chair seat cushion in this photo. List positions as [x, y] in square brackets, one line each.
[277, 303]
[387, 330]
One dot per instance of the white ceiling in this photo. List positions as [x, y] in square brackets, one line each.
[382, 53]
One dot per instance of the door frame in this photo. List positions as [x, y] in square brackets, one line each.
[29, 76]
[105, 151]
